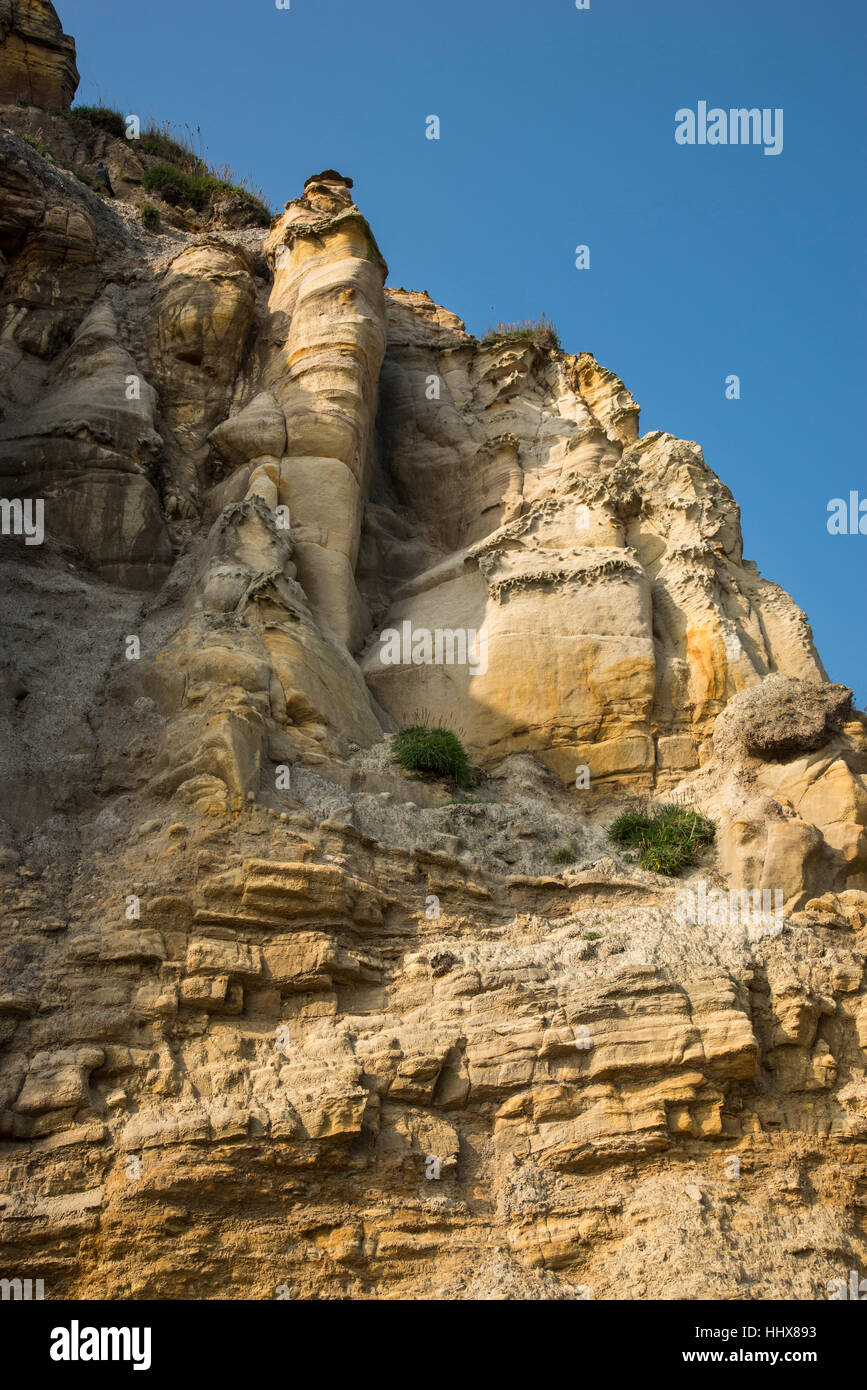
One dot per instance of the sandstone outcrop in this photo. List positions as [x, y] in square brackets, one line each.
[274, 1014]
[612, 564]
[37, 60]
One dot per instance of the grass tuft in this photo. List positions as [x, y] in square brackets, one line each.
[177, 148]
[435, 751]
[564, 855]
[667, 838]
[539, 331]
[150, 217]
[103, 116]
[39, 146]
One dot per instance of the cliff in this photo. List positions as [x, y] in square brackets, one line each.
[275, 1013]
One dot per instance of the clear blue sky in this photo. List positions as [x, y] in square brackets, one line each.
[558, 129]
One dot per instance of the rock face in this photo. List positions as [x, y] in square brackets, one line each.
[612, 564]
[37, 60]
[276, 1015]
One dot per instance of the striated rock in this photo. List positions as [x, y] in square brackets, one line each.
[37, 60]
[58, 1081]
[88, 449]
[328, 279]
[203, 312]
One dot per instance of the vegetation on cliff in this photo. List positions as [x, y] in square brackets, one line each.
[541, 332]
[183, 176]
[668, 838]
[435, 751]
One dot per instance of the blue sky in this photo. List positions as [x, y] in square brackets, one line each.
[557, 129]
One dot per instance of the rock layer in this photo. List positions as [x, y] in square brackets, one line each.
[37, 60]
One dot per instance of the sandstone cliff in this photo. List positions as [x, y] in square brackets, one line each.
[37, 60]
[274, 1013]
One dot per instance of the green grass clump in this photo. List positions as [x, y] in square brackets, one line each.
[668, 838]
[104, 117]
[182, 177]
[564, 855]
[150, 217]
[435, 751]
[172, 185]
[539, 331]
[197, 191]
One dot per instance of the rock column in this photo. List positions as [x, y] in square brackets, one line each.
[328, 307]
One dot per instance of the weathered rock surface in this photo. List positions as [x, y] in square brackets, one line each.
[37, 60]
[612, 564]
[274, 1014]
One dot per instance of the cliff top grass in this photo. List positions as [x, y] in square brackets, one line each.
[184, 174]
[667, 838]
[158, 140]
[198, 191]
[541, 332]
[103, 116]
